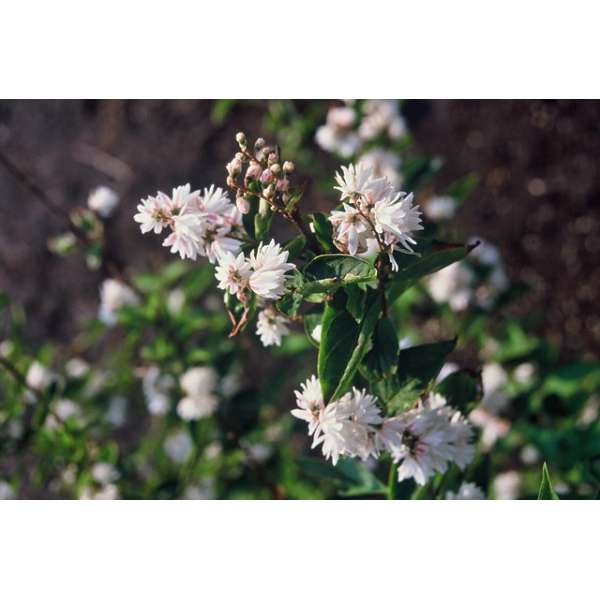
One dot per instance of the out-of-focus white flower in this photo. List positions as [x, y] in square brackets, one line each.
[337, 135]
[316, 333]
[231, 384]
[179, 446]
[507, 485]
[440, 208]
[382, 116]
[383, 164]
[175, 301]
[232, 273]
[6, 347]
[271, 327]
[590, 411]
[200, 401]
[204, 490]
[104, 473]
[494, 378]
[65, 409]
[213, 451]
[39, 377]
[530, 454]
[156, 390]
[103, 200]
[492, 427]
[258, 453]
[114, 295]
[524, 373]
[269, 270]
[467, 491]
[6, 491]
[106, 492]
[117, 411]
[77, 368]
[452, 285]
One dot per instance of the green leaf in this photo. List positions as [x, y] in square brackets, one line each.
[323, 231]
[311, 320]
[462, 188]
[262, 225]
[422, 363]
[339, 336]
[463, 390]
[367, 326]
[295, 247]
[416, 267]
[356, 300]
[382, 359]
[328, 272]
[546, 490]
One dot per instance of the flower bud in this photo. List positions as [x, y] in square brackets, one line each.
[242, 204]
[230, 181]
[234, 167]
[288, 166]
[263, 207]
[240, 156]
[275, 168]
[269, 191]
[260, 142]
[240, 138]
[283, 185]
[272, 158]
[254, 170]
[266, 176]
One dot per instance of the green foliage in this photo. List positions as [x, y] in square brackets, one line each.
[546, 490]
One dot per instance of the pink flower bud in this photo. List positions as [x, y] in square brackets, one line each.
[266, 176]
[240, 138]
[288, 166]
[272, 158]
[242, 204]
[260, 143]
[254, 171]
[275, 168]
[283, 185]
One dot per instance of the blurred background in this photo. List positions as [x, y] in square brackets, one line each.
[537, 198]
[521, 175]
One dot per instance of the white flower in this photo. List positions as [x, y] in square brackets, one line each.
[524, 373]
[467, 491]
[198, 380]
[337, 135]
[383, 164]
[310, 403]
[179, 446]
[6, 491]
[354, 180]
[156, 213]
[397, 216]
[258, 453]
[103, 200]
[269, 270]
[38, 376]
[433, 435]
[199, 384]
[205, 490]
[494, 378]
[492, 427]
[446, 370]
[213, 451]
[106, 492]
[507, 485]
[104, 473]
[175, 301]
[65, 409]
[351, 229]
[382, 116]
[440, 208]
[529, 454]
[186, 236]
[156, 390]
[232, 272]
[117, 411]
[114, 295]
[77, 368]
[453, 285]
[270, 327]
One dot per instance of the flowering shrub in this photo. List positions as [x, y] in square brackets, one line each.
[356, 351]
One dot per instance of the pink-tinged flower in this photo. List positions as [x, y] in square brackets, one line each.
[353, 180]
[232, 272]
[154, 213]
[397, 216]
[269, 270]
[186, 237]
[351, 228]
[310, 403]
[271, 327]
[113, 296]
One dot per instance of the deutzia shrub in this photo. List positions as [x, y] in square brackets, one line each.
[369, 400]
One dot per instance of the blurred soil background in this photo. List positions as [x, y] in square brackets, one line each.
[538, 198]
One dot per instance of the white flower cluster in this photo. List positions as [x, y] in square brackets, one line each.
[263, 272]
[271, 327]
[344, 134]
[375, 217]
[199, 224]
[114, 295]
[423, 440]
[198, 384]
[460, 286]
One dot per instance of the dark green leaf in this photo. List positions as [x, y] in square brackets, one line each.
[323, 231]
[422, 363]
[462, 389]
[311, 321]
[295, 247]
[382, 359]
[328, 272]
[546, 490]
[339, 336]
